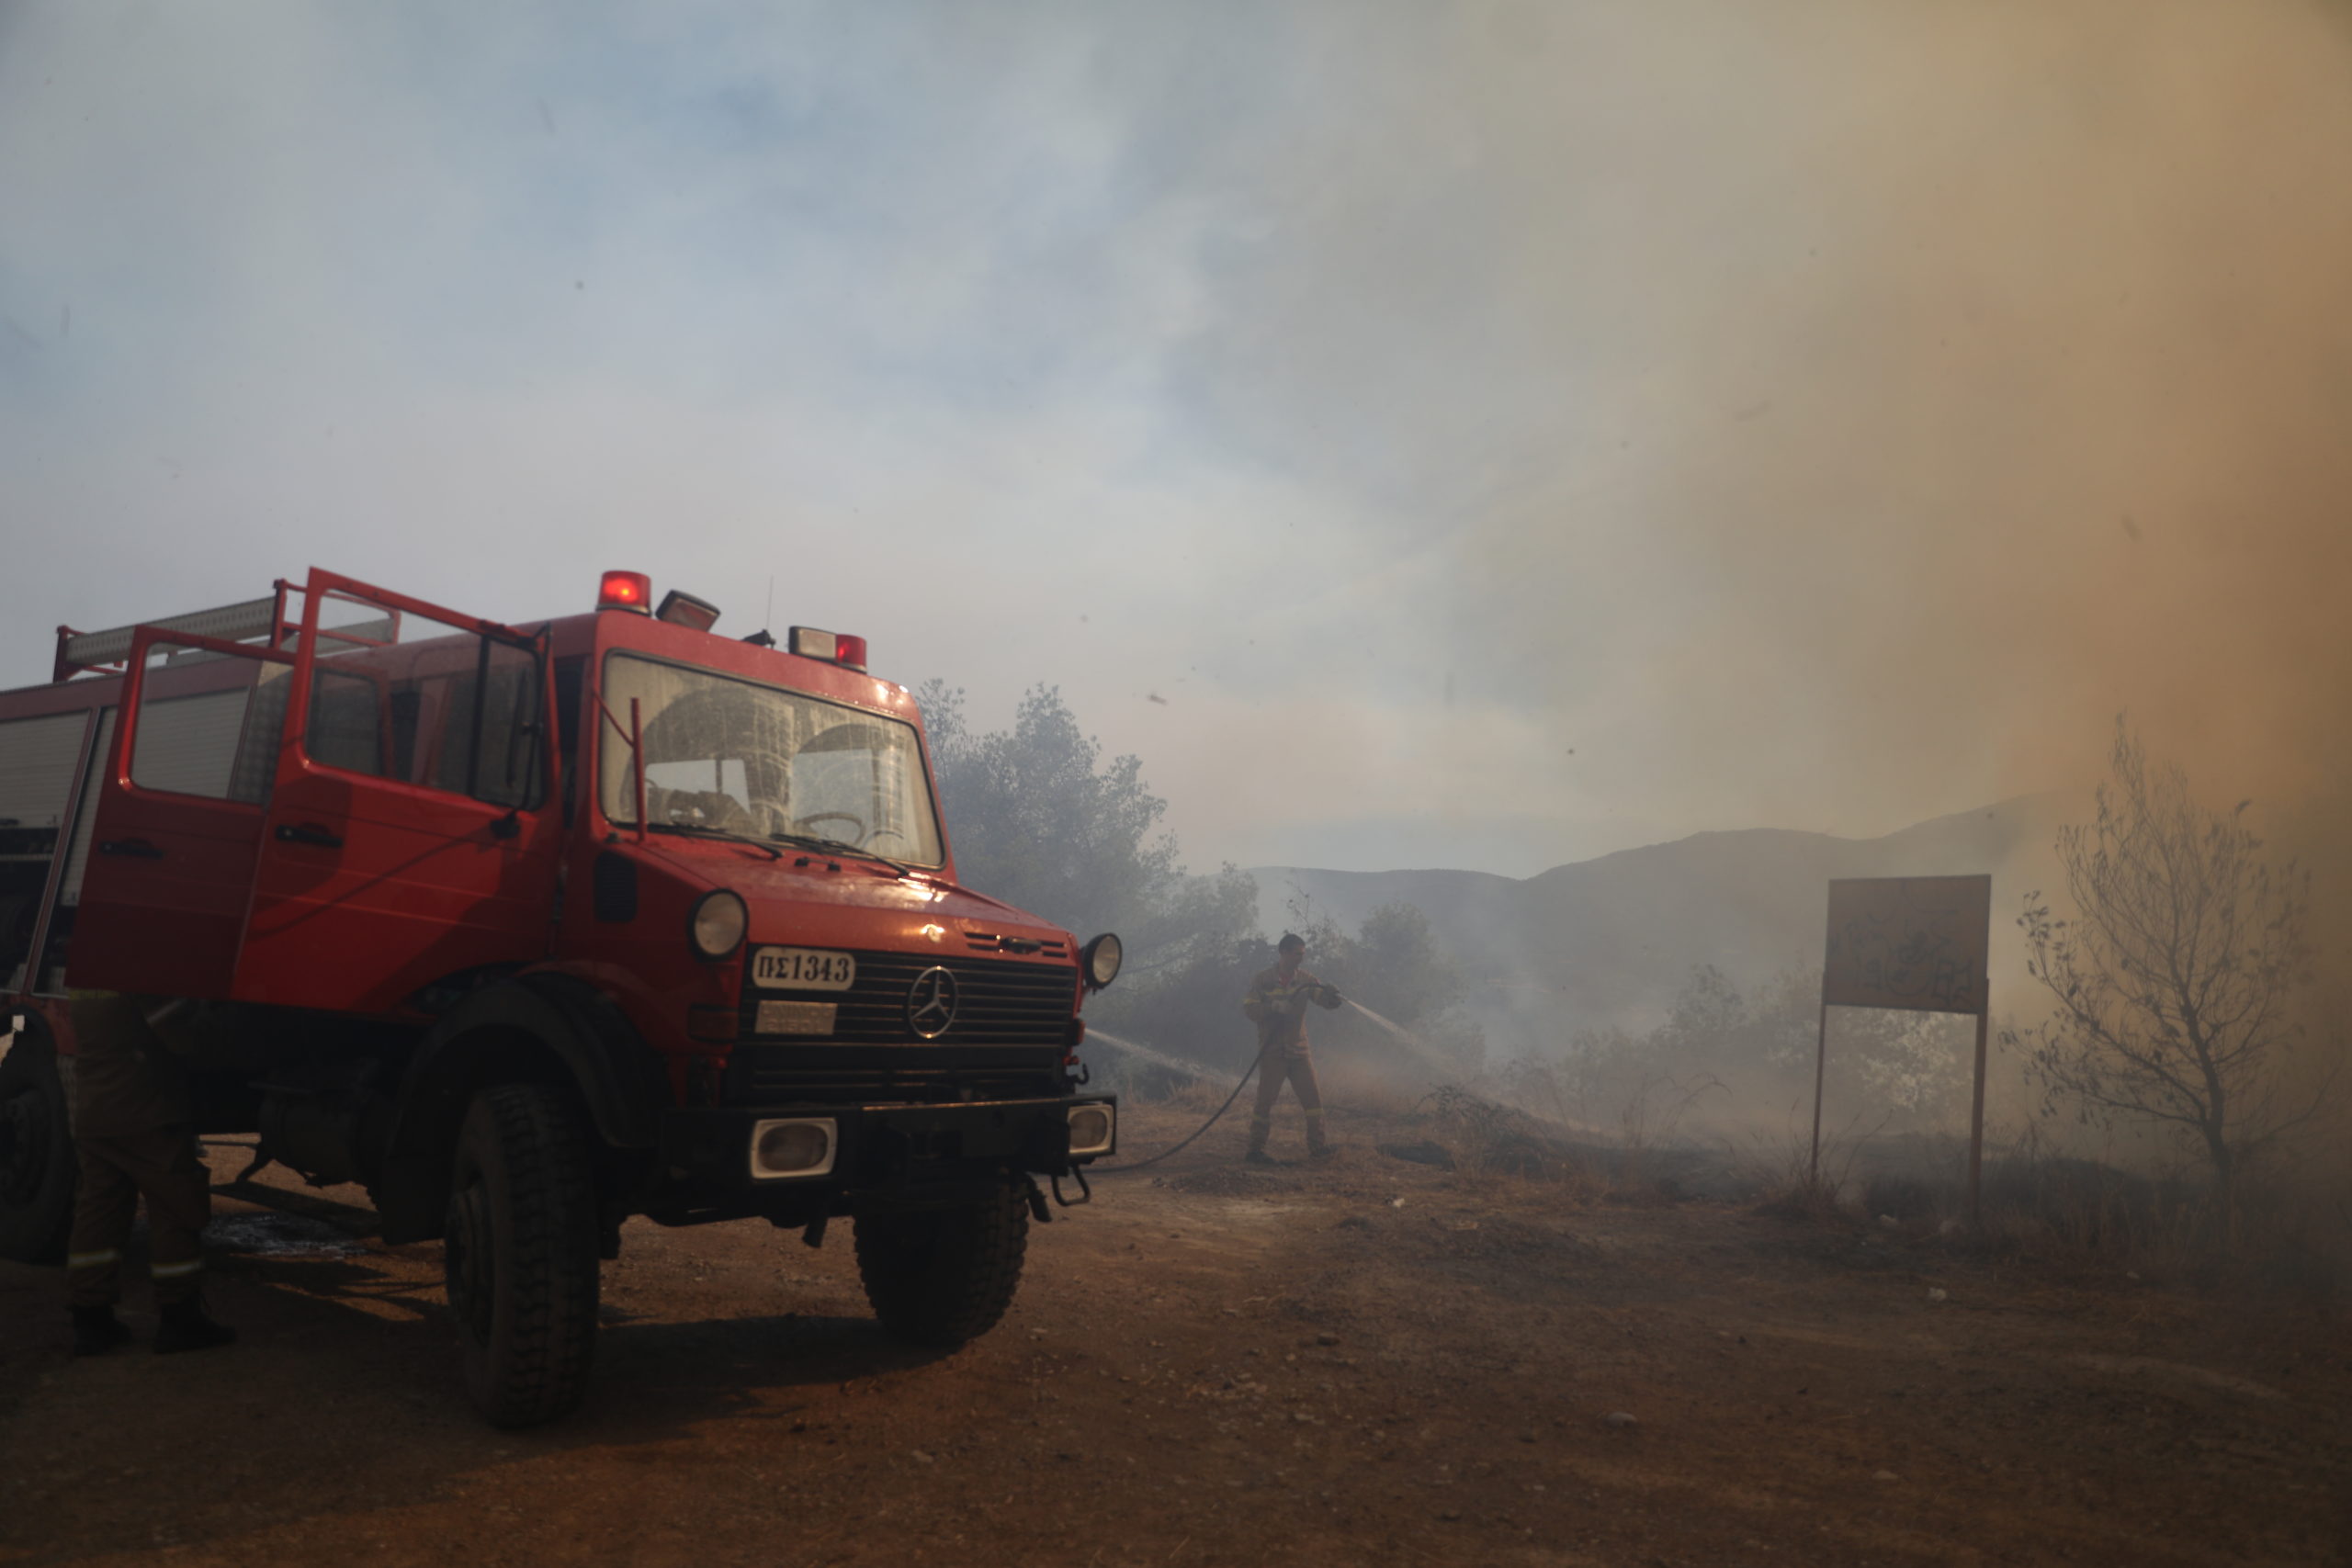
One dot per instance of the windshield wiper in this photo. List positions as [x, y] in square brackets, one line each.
[803, 840]
[838, 847]
[703, 830]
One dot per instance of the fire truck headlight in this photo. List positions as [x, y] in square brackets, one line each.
[1089, 1130]
[1100, 961]
[803, 1146]
[717, 926]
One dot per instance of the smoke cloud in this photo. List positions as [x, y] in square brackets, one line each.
[1498, 433]
[1842, 411]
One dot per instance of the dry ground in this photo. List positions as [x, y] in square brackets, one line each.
[1370, 1361]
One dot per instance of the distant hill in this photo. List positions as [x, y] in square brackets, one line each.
[1608, 941]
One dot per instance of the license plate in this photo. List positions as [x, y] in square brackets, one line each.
[803, 969]
[794, 1017]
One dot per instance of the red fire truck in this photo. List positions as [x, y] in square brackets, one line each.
[532, 929]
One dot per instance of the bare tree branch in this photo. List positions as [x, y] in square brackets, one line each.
[2171, 982]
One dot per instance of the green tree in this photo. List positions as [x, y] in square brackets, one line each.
[1039, 818]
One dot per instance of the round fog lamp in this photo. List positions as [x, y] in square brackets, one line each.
[717, 928]
[795, 1145]
[1101, 960]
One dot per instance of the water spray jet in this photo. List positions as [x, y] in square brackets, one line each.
[1420, 1046]
[1159, 1058]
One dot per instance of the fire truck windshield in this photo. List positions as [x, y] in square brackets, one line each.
[731, 754]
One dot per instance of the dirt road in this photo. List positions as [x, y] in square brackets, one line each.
[1373, 1361]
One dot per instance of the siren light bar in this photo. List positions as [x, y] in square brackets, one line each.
[833, 647]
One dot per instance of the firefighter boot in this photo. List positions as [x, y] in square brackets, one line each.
[97, 1330]
[188, 1327]
[1318, 1146]
[1260, 1128]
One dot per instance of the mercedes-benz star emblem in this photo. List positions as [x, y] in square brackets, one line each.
[931, 1003]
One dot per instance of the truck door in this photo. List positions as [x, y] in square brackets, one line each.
[180, 803]
[408, 840]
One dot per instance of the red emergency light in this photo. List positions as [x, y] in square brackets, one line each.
[626, 591]
[833, 647]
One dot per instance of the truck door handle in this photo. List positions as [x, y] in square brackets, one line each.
[135, 849]
[308, 833]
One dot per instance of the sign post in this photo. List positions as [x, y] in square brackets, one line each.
[1914, 944]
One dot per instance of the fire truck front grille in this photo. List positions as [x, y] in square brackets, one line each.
[838, 1075]
[998, 1002]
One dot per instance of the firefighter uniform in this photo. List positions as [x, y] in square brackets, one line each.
[1277, 1005]
[133, 1133]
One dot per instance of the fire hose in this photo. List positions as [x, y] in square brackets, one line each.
[1255, 1063]
[1164, 1153]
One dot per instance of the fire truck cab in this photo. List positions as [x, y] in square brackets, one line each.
[531, 929]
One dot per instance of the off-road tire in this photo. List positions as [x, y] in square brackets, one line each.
[520, 1254]
[38, 1170]
[940, 1277]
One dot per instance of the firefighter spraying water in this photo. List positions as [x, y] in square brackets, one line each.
[1277, 1001]
[1277, 1004]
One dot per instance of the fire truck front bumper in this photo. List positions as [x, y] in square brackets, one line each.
[787, 1152]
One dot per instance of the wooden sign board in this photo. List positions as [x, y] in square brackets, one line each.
[1913, 943]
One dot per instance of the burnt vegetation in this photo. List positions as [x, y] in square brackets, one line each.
[2169, 1119]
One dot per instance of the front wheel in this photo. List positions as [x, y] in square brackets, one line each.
[520, 1254]
[943, 1276]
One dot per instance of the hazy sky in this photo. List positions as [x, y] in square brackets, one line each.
[1499, 433]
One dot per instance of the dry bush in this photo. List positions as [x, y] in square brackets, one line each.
[1484, 1137]
[1650, 1117]
[1784, 1169]
[1489, 1138]
[2286, 1237]
[1547, 1091]
[1546, 1103]
[1554, 1099]
[2295, 1240]
[2276, 1230]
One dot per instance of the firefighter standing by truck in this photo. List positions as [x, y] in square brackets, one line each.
[1277, 1005]
[133, 1130]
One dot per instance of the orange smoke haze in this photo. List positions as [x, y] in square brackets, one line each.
[2024, 401]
